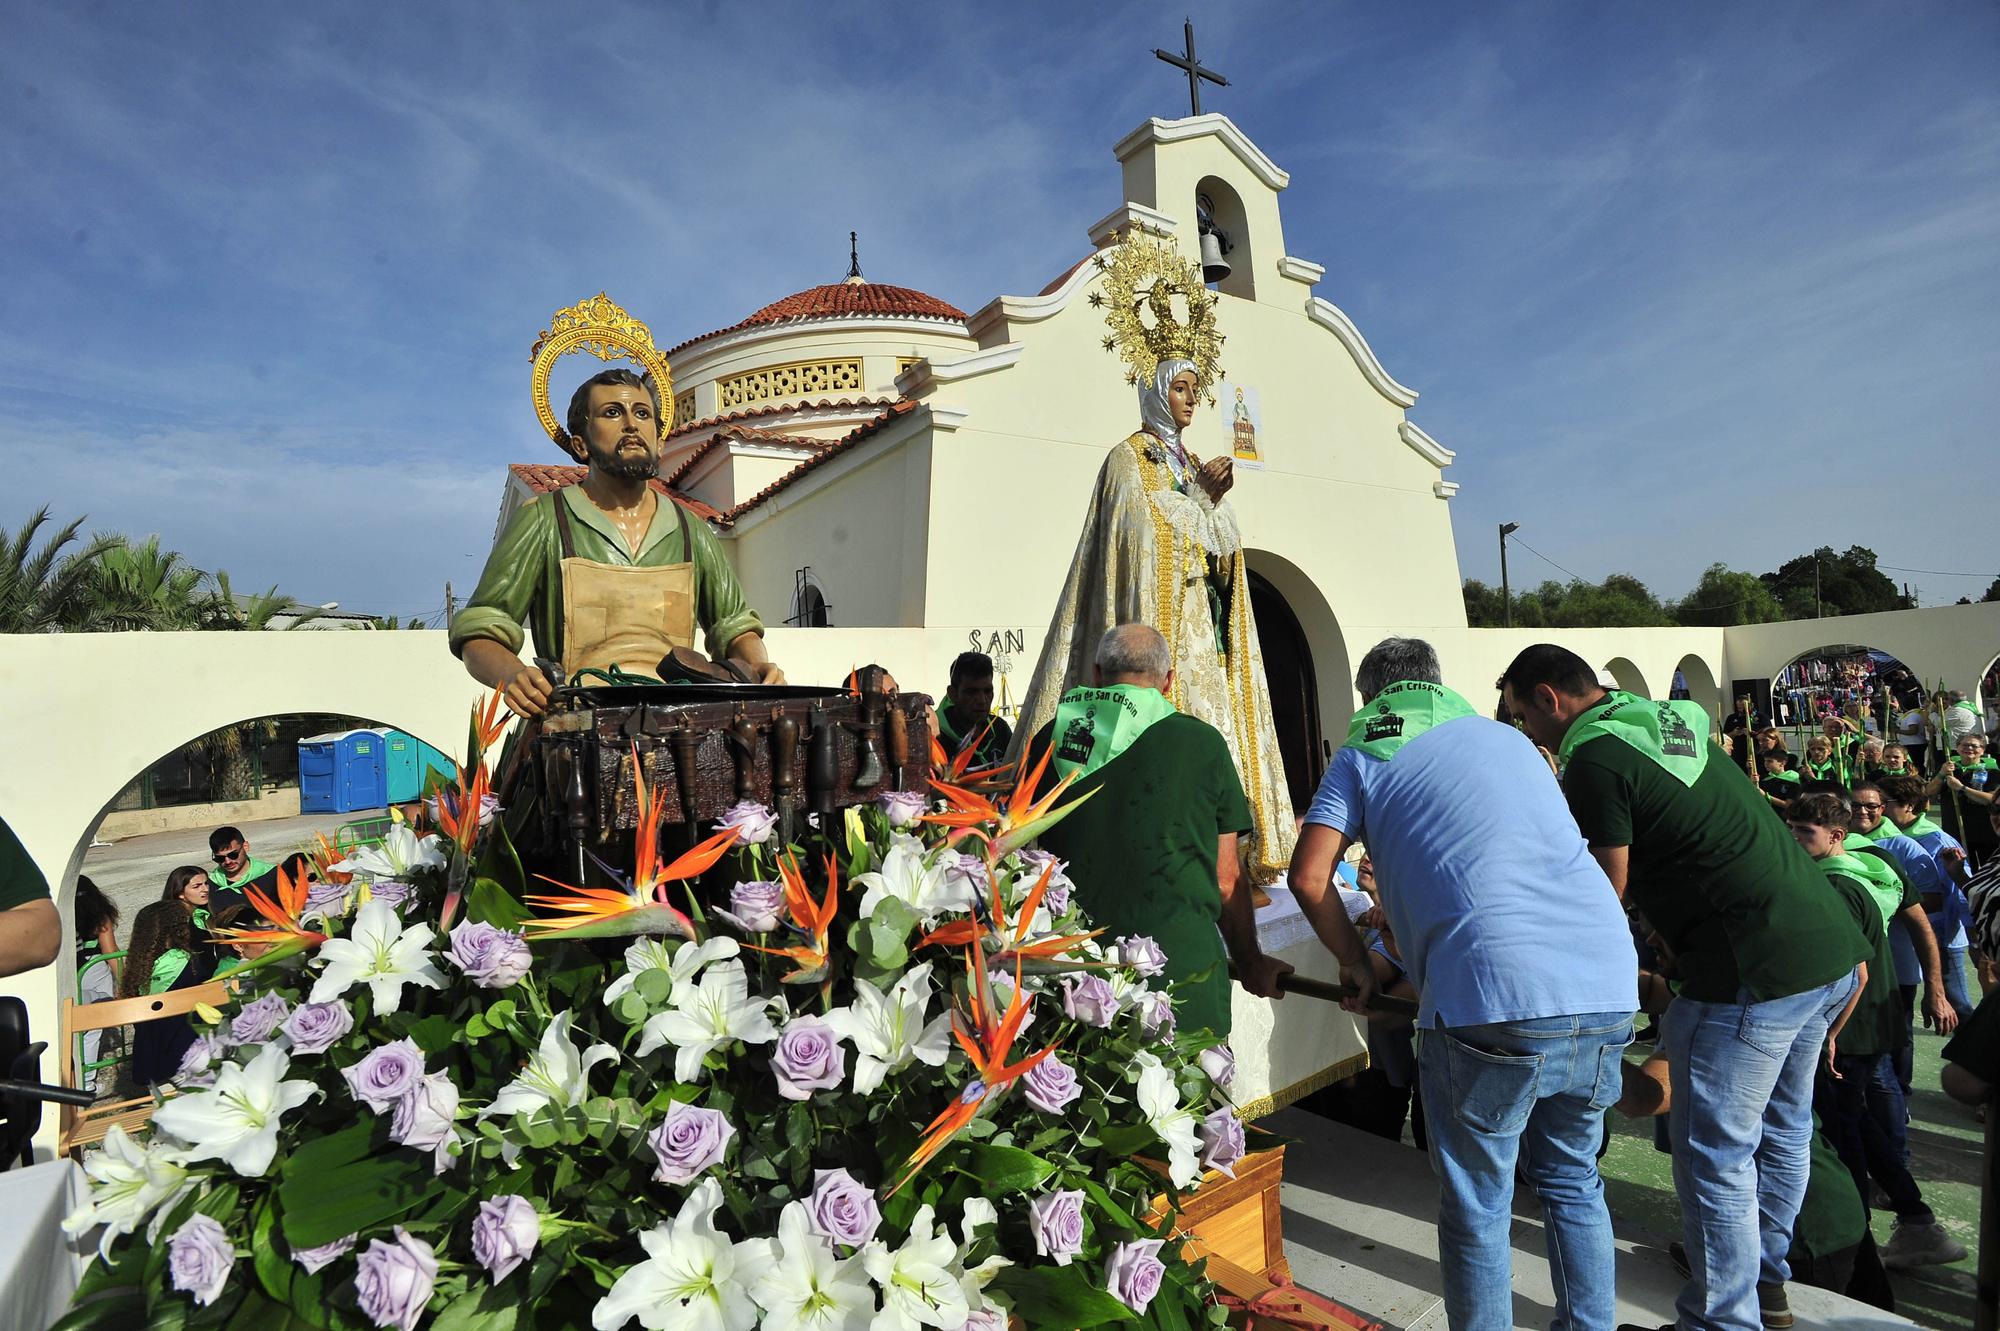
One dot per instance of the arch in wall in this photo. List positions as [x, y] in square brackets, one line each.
[1809, 680]
[1331, 671]
[1702, 690]
[1629, 677]
[1233, 221]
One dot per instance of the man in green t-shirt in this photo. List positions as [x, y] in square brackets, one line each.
[1153, 850]
[30, 929]
[966, 719]
[1874, 1029]
[1766, 954]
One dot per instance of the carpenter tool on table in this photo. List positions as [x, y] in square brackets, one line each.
[784, 789]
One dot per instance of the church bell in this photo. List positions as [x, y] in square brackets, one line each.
[1213, 266]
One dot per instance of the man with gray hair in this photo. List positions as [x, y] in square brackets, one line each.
[1524, 967]
[1153, 851]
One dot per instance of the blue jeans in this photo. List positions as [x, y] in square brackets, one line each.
[1742, 1081]
[1954, 981]
[1533, 1094]
[1861, 1113]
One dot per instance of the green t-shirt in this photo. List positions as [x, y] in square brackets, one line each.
[522, 582]
[21, 879]
[1141, 851]
[1716, 872]
[1877, 1025]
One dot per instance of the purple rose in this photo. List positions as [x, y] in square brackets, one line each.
[904, 807]
[255, 1021]
[491, 958]
[327, 898]
[312, 1259]
[752, 821]
[988, 1318]
[1143, 955]
[386, 1074]
[755, 906]
[1056, 1221]
[689, 1141]
[395, 1279]
[1089, 999]
[1056, 896]
[1156, 1017]
[315, 1026]
[1050, 1085]
[1221, 1141]
[200, 1056]
[1133, 1273]
[424, 1115]
[504, 1234]
[200, 1256]
[966, 875]
[448, 799]
[390, 892]
[1219, 1062]
[840, 1210]
[808, 1058]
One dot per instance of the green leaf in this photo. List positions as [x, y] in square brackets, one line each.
[1098, 1193]
[434, 1034]
[655, 986]
[1059, 1296]
[1125, 1139]
[342, 1183]
[490, 903]
[486, 1307]
[1003, 1169]
[122, 1309]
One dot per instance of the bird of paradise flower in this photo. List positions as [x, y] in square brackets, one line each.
[639, 907]
[987, 1037]
[811, 959]
[1010, 942]
[1012, 822]
[287, 935]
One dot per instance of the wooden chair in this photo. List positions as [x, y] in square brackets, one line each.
[81, 1127]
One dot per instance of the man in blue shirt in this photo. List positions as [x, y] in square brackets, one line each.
[1524, 966]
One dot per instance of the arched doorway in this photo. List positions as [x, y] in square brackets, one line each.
[1628, 676]
[1288, 669]
[1696, 682]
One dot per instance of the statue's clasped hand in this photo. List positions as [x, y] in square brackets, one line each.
[1216, 476]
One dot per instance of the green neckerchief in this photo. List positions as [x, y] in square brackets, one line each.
[167, 968]
[1672, 734]
[252, 868]
[1820, 772]
[1923, 826]
[1095, 724]
[1965, 766]
[1791, 778]
[1872, 873]
[1400, 713]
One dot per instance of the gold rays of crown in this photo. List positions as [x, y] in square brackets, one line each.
[601, 327]
[1141, 281]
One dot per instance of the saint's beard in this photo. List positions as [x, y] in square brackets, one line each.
[622, 466]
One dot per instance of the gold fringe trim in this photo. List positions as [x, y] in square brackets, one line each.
[1298, 1090]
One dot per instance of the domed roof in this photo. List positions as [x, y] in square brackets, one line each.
[852, 299]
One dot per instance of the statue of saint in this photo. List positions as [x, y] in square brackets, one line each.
[609, 572]
[1161, 546]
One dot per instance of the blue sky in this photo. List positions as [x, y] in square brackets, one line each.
[1678, 282]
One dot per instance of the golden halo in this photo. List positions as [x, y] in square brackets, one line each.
[600, 327]
[1140, 283]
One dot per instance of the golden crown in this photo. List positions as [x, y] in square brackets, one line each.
[602, 328]
[1142, 281]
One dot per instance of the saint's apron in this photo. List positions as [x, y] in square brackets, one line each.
[622, 615]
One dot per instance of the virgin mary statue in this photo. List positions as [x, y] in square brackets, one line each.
[1161, 546]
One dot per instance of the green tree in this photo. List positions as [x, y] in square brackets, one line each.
[1992, 591]
[157, 586]
[1483, 607]
[52, 588]
[1620, 601]
[1847, 584]
[1724, 597]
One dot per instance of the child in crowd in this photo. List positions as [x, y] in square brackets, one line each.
[1820, 764]
[1780, 784]
[1896, 761]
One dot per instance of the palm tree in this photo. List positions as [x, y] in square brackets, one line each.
[158, 585]
[47, 591]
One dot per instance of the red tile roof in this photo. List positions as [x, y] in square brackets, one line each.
[542, 477]
[842, 300]
[834, 448]
[780, 409]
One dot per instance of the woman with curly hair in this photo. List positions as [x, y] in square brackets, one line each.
[163, 956]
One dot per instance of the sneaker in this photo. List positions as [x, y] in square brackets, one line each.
[1920, 1243]
[1774, 1307]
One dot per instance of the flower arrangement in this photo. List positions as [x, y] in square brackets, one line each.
[888, 1078]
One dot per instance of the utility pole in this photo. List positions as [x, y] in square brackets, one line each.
[1506, 593]
[450, 604]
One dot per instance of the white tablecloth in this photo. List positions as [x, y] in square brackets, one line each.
[1292, 1047]
[39, 1266]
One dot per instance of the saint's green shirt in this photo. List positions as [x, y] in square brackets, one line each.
[522, 582]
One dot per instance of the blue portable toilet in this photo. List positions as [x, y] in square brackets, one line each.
[343, 771]
[409, 764]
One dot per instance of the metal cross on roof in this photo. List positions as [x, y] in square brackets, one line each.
[1193, 66]
[853, 255]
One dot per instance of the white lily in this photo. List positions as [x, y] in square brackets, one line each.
[910, 878]
[681, 963]
[379, 952]
[236, 1119]
[689, 1280]
[555, 1074]
[805, 1287]
[1160, 1101]
[705, 1016]
[128, 1182]
[888, 1031]
[401, 853]
[917, 1284]
[978, 1215]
